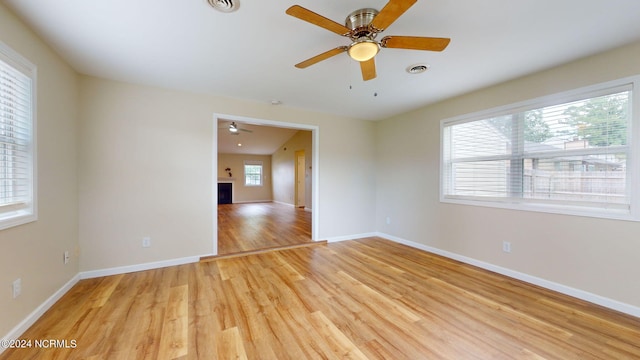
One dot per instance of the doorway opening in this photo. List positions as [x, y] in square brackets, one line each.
[298, 211]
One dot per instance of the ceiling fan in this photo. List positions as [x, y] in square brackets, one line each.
[362, 26]
[234, 129]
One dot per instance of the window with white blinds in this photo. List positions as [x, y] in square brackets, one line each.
[571, 156]
[17, 200]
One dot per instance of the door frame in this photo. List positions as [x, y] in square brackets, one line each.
[296, 192]
[315, 172]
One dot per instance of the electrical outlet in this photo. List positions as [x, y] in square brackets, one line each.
[65, 257]
[388, 220]
[506, 246]
[146, 241]
[17, 287]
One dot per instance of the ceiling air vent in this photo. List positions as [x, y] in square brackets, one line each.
[224, 5]
[417, 69]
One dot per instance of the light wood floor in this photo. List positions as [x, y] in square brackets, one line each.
[254, 226]
[361, 299]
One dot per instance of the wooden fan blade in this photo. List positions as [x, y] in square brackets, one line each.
[368, 69]
[325, 55]
[319, 20]
[415, 43]
[390, 13]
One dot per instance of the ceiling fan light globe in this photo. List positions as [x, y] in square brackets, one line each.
[363, 50]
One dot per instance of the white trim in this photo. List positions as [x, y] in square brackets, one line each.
[253, 202]
[307, 209]
[233, 189]
[315, 170]
[28, 321]
[581, 93]
[633, 162]
[351, 237]
[244, 172]
[139, 267]
[630, 83]
[549, 208]
[567, 290]
[29, 212]
[282, 203]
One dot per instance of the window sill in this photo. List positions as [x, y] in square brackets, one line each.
[601, 213]
[16, 218]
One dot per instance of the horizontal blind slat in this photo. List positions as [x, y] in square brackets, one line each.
[575, 152]
[15, 136]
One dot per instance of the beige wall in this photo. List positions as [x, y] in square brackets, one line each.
[284, 168]
[117, 162]
[33, 252]
[594, 255]
[146, 168]
[242, 193]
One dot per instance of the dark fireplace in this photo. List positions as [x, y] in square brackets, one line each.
[224, 193]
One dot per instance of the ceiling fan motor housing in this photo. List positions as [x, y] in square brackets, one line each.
[359, 21]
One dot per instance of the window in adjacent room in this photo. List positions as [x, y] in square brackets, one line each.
[253, 173]
[17, 147]
[570, 156]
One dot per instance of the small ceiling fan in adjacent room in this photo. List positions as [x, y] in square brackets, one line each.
[362, 27]
[234, 129]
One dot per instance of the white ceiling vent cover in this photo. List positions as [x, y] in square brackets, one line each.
[418, 68]
[224, 5]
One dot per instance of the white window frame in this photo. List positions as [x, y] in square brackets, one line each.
[633, 165]
[25, 210]
[253, 163]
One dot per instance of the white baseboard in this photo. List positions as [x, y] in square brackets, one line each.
[282, 203]
[252, 201]
[567, 290]
[19, 329]
[40, 310]
[25, 324]
[351, 237]
[139, 267]
[271, 201]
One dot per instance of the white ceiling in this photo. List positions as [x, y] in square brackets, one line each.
[258, 140]
[250, 53]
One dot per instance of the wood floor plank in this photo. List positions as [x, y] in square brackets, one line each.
[173, 340]
[220, 304]
[254, 226]
[229, 344]
[363, 299]
[379, 302]
[343, 347]
[99, 298]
